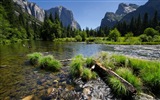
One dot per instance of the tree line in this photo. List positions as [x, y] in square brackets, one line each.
[18, 25]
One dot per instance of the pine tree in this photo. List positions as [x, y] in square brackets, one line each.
[145, 21]
[155, 20]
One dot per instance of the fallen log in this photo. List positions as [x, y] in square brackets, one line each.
[128, 85]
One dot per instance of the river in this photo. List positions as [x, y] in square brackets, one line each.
[19, 79]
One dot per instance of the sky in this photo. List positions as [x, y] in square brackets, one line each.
[88, 13]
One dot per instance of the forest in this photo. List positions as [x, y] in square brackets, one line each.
[17, 25]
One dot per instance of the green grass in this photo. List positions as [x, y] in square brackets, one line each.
[87, 74]
[128, 75]
[89, 62]
[76, 66]
[34, 57]
[65, 40]
[117, 87]
[49, 63]
[120, 60]
[151, 76]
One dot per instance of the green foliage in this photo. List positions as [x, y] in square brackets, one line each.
[83, 35]
[118, 88]
[145, 38]
[49, 63]
[114, 35]
[76, 66]
[78, 38]
[34, 57]
[90, 61]
[128, 36]
[120, 60]
[127, 74]
[151, 76]
[87, 74]
[150, 32]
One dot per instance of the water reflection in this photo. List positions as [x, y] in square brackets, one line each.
[18, 79]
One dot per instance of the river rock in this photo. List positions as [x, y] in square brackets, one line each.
[143, 96]
[30, 97]
[50, 91]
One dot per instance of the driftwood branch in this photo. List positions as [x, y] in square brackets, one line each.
[128, 85]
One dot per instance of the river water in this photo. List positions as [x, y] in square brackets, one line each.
[19, 79]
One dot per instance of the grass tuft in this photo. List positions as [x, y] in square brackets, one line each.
[34, 57]
[128, 75]
[76, 66]
[87, 74]
[118, 88]
[90, 62]
[49, 63]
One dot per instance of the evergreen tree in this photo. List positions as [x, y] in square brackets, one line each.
[155, 20]
[145, 21]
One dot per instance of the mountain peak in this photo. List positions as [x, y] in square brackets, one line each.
[65, 15]
[124, 8]
[111, 18]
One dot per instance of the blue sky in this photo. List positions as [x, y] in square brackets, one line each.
[88, 13]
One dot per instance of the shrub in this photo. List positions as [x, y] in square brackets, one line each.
[118, 88]
[156, 38]
[34, 57]
[87, 74]
[114, 35]
[49, 63]
[78, 38]
[127, 74]
[150, 32]
[128, 37]
[145, 38]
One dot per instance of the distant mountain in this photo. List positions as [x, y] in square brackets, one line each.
[111, 18]
[31, 8]
[65, 15]
[150, 7]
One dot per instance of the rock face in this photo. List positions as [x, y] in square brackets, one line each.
[124, 9]
[111, 18]
[31, 8]
[150, 7]
[65, 15]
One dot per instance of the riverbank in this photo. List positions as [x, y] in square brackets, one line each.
[29, 80]
[97, 40]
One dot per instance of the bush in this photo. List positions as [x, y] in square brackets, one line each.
[156, 38]
[78, 38]
[34, 57]
[150, 32]
[128, 37]
[145, 38]
[114, 35]
[49, 63]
